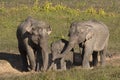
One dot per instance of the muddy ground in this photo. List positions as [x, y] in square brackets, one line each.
[10, 64]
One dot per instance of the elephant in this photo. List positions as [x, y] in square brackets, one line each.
[32, 36]
[92, 36]
[56, 48]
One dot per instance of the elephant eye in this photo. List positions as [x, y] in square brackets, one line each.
[33, 29]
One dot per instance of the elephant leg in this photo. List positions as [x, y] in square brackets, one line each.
[37, 61]
[53, 66]
[94, 58]
[24, 59]
[87, 53]
[63, 64]
[30, 54]
[85, 63]
[83, 52]
[31, 57]
[103, 56]
[24, 62]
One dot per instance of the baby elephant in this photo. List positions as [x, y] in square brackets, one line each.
[57, 48]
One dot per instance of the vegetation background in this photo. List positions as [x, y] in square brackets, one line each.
[59, 14]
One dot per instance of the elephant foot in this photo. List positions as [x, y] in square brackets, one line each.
[38, 67]
[30, 68]
[64, 69]
[33, 71]
[94, 64]
[52, 67]
[25, 69]
[55, 67]
[43, 69]
[63, 66]
[88, 68]
[103, 63]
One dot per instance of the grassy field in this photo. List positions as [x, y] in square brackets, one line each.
[59, 14]
[108, 73]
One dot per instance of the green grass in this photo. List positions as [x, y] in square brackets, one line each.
[59, 15]
[107, 73]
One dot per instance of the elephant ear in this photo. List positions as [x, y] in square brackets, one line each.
[28, 26]
[90, 33]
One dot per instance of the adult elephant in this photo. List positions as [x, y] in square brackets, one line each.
[32, 38]
[92, 36]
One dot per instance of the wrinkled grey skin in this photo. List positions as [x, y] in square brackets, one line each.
[93, 37]
[58, 47]
[32, 38]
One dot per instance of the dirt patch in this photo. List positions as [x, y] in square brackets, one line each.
[114, 60]
[7, 70]
[10, 64]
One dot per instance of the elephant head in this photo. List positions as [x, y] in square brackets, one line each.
[38, 34]
[38, 30]
[78, 33]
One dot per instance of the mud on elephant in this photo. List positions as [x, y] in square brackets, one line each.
[32, 38]
[92, 36]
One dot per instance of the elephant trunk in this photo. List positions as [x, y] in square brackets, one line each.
[45, 53]
[69, 47]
